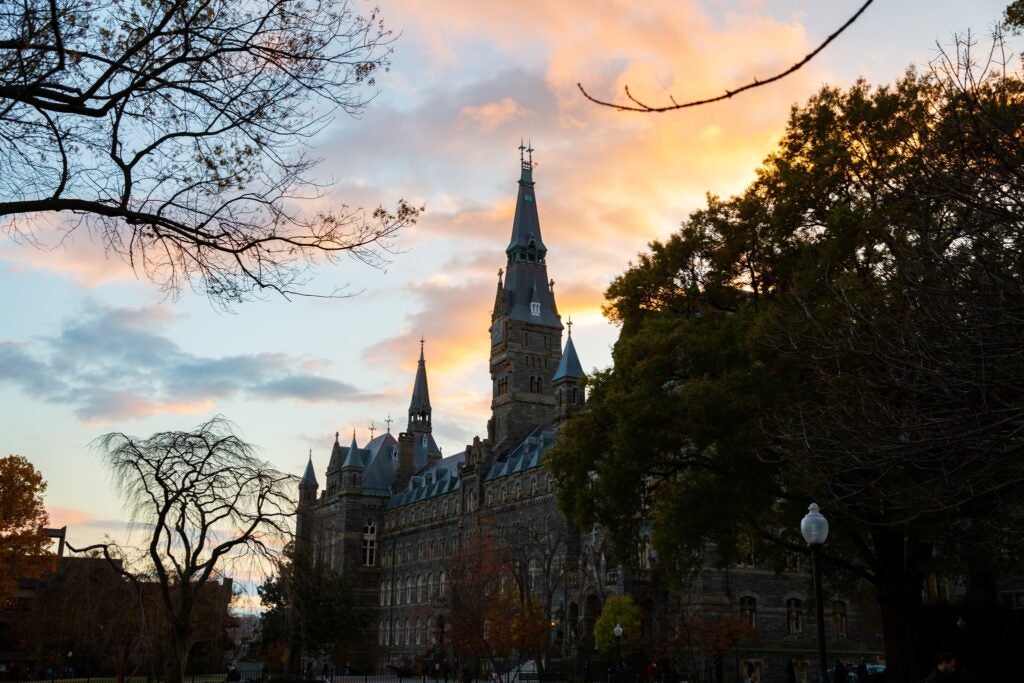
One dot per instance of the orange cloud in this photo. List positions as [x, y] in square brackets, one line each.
[63, 516]
[493, 114]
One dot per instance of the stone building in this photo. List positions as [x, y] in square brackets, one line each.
[393, 512]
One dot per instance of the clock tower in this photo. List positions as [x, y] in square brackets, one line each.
[526, 330]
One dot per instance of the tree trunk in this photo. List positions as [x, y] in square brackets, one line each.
[900, 581]
[177, 660]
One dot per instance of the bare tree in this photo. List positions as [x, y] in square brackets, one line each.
[172, 131]
[202, 500]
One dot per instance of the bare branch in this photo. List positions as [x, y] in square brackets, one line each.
[640, 106]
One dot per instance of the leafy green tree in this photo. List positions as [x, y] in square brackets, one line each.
[310, 610]
[619, 610]
[846, 331]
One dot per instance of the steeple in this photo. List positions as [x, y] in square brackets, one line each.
[526, 331]
[526, 244]
[419, 407]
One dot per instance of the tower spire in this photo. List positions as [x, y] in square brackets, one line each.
[419, 406]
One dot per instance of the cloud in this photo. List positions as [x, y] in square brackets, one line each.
[493, 114]
[114, 364]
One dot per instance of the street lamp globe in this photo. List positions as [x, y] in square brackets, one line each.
[617, 631]
[814, 526]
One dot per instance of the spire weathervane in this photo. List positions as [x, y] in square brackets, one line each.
[569, 324]
[529, 151]
[522, 148]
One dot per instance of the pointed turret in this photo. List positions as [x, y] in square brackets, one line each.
[419, 406]
[526, 243]
[352, 459]
[309, 476]
[569, 366]
[566, 381]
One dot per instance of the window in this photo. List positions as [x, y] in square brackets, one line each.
[421, 585]
[398, 632]
[408, 590]
[370, 544]
[839, 620]
[419, 630]
[794, 617]
[1013, 600]
[442, 584]
[408, 631]
[385, 593]
[748, 610]
[430, 586]
[535, 308]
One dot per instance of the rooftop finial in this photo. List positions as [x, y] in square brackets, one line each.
[569, 325]
[388, 421]
[529, 160]
[421, 348]
[372, 430]
[522, 148]
[551, 285]
[336, 435]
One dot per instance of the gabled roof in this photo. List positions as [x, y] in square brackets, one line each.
[337, 457]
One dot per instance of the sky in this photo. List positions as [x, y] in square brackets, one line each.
[89, 347]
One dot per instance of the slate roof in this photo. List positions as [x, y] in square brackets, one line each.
[438, 478]
[569, 366]
[526, 455]
[420, 402]
[309, 476]
[353, 457]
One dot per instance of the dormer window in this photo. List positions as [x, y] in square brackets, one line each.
[535, 308]
[424, 440]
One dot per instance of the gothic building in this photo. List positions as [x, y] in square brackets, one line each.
[393, 512]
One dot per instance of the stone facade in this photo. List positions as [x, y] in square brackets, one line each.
[394, 512]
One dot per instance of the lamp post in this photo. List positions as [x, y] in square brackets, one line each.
[618, 644]
[814, 528]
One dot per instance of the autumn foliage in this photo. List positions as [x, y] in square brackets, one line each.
[23, 541]
[490, 619]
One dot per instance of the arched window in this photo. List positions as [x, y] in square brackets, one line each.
[420, 586]
[408, 590]
[398, 632]
[748, 610]
[370, 544]
[794, 617]
[430, 586]
[380, 634]
[408, 631]
[839, 620]
[442, 584]
[534, 570]
[385, 588]
[419, 630]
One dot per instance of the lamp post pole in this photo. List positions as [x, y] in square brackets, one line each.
[814, 528]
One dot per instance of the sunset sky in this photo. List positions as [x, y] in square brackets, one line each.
[86, 347]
